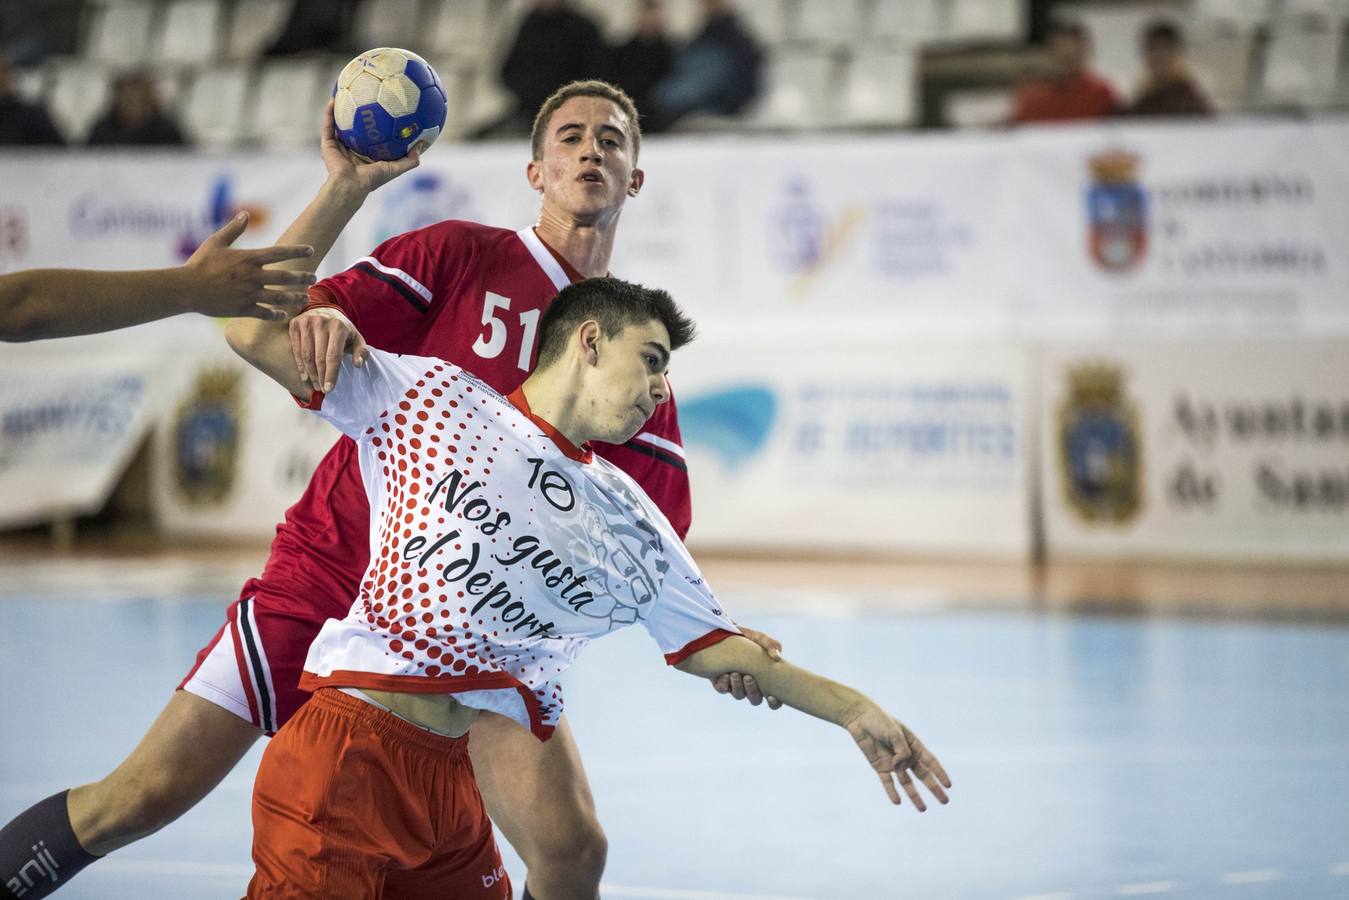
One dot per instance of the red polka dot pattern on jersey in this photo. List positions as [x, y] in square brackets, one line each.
[491, 569]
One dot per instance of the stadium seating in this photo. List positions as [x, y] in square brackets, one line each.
[827, 23]
[390, 23]
[213, 105]
[254, 25]
[466, 29]
[190, 33]
[851, 63]
[120, 32]
[880, 87]
[281, 114]
[1301, 65]
[916, 21]
[77, 96]
[799, 87]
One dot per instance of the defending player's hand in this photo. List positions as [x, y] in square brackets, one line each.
[233, 283]
[351, 170]
[894, 752]
[744, 687]
[318, 338]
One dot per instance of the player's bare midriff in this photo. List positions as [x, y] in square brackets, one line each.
[440, 713]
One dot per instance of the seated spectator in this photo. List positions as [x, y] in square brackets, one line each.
[1169, 88]
[718, 72]
[554, 45]
[1070, 90]
[645, 59]
[22, 123]
[134, 116]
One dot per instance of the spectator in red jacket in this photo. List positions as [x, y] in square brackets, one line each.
[1070, 90]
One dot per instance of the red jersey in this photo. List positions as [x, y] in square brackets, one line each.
[474, 295]
[1081, 96]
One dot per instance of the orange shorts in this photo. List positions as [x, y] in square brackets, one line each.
[352, 802]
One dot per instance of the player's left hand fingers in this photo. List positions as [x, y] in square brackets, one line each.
[890, 789]
[932, 784]
[332, 356]
[752, 692]
[358, 349]
[225, 235]
[910, 788]
[280, 253]
[929, 768]
[773, 702]
[771, 645]
[263, 311]
[307, 326]
[287, 302]
[411, 161]
[737, 686]
[722, 684]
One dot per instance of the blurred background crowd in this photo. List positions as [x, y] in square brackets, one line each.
[233, 74]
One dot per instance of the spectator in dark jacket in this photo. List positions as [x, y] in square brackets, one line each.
[645, 59]
[554, 46]
[1169, 88]
[22, 123]
[134, 116]
[718, 72]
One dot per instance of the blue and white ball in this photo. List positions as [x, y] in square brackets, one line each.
[386, 100]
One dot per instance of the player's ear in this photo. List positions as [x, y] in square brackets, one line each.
[635, 182]
[534, 174]
[590, 333]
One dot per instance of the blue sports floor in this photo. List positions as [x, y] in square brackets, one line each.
[1092, 756]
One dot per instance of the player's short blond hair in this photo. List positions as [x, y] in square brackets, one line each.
[591, 88]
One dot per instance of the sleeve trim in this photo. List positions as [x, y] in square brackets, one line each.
[320, 295]
[702, 643]
[315, 401]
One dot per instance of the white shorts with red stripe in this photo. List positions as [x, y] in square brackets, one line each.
[251, 667]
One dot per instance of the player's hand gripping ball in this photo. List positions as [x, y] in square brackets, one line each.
[386, 100]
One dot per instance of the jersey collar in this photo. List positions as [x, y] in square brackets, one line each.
[558, 270]
[581, 454]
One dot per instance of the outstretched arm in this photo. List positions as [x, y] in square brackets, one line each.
[268, 345]
[217, 280]
[891, 748]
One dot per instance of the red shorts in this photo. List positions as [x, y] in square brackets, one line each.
[351, 801]
[252, 666]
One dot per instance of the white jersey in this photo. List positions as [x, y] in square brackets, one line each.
[497, 548]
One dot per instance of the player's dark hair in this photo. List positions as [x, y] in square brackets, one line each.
[614, 304]
[592, 88]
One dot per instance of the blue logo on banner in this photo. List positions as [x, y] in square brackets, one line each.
[1117, 210]
[799, 229]
[219, 208]
[733, 423]
[1100, 454]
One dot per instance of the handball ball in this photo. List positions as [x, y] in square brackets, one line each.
[386, 100]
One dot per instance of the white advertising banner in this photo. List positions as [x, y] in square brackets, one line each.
[1226, 451]
[1188, 231]
[144, 209]
[72, 415]
[1151, 229]
[914, 230]
[884, 446]
[232, 451]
